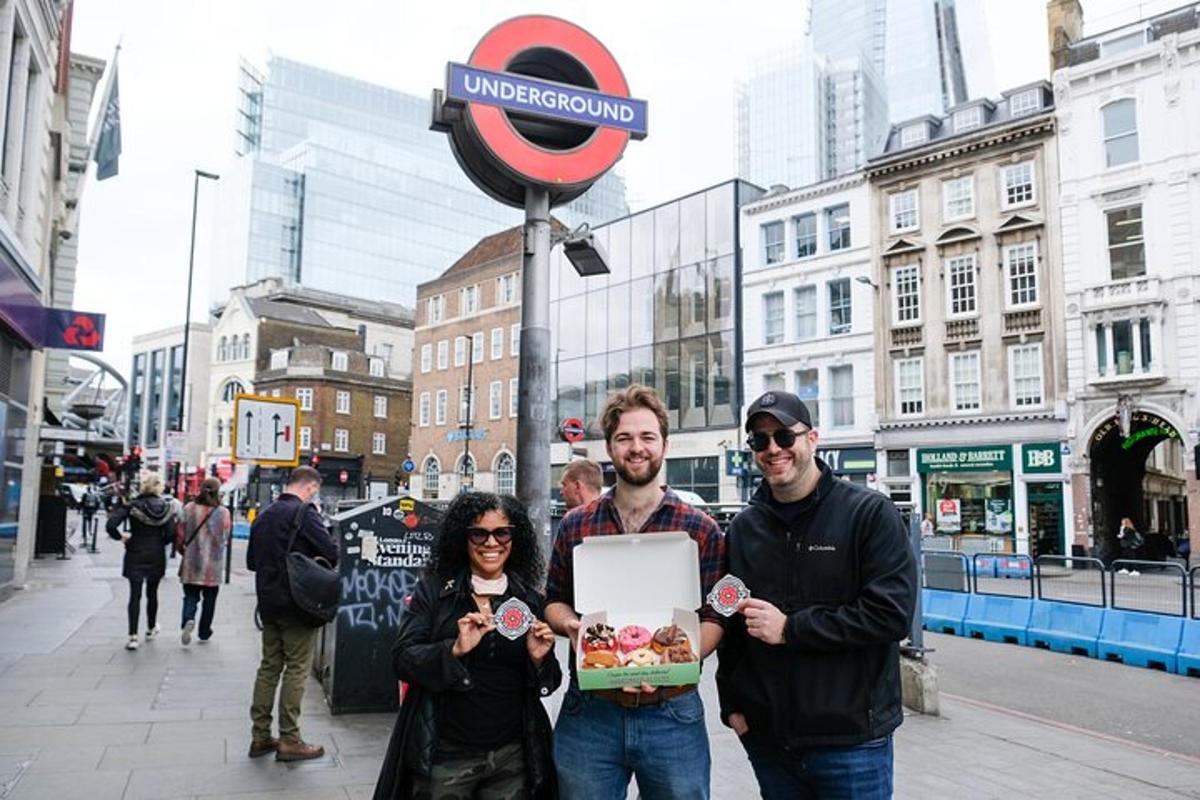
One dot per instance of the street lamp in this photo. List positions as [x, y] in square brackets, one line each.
[585, 253]
[187, 316]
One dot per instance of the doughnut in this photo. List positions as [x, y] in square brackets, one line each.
[644, 657]
[633, 637]
[601, 659]
[679, 654]
[666, 636]
[599, 637]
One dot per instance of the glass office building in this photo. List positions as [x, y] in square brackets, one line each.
[666, 316]
[341, 186]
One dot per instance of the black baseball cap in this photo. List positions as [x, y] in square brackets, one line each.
[783, 406]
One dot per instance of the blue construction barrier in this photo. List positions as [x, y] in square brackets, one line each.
[1141, 639]
[1065, 627]
[943, 611]
[1014, 567]
[998, 618]
[983, 566]
[241, 530]
[1188, 656]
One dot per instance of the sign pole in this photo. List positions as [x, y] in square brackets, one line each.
[533, 405]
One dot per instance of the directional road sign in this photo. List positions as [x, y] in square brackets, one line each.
[265, 430]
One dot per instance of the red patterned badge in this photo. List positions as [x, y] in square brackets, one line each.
[513, 618]
[727, 594]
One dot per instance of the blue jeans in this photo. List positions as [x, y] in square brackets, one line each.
[598, 745]
[862, 772]
[191, 599]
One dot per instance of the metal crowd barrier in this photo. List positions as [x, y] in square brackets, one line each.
[1004, 573]
[1150, 586]
[947, 570]
[1192, 581]
[1073, 580]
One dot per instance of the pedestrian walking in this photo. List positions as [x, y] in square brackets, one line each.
[581, 483]
[809, 674]
[88, 506]
[472, 722]
[604, 737]
[200, 539]
[288, 634]
[150, 532]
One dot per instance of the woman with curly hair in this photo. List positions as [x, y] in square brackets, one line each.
[472, 723]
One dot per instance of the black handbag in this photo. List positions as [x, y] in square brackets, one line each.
[314, 584]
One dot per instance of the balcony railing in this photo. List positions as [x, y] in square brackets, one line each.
[1122, 293]
[907, 337]
[1027, 321]
[962, 329]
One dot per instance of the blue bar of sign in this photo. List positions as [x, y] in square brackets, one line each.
[546, 98]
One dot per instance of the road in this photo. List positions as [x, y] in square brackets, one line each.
[1142, 705]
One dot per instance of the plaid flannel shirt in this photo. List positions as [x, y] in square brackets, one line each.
[600, 518]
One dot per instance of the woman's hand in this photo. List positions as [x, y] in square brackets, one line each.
[540, 641]
[471, 629]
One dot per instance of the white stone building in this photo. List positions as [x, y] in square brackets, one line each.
[156, 381]
[808, 313]
[1128, 119]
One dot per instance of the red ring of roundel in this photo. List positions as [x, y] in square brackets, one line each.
[583, 164]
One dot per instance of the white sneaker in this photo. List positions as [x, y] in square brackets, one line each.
[1134, 572]
[188, 627]
[150, 634]
[132, 644]
[1122, 572]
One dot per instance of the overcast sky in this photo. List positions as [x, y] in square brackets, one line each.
[178, 78]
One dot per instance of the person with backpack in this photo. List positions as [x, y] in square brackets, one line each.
[200, 538]
[89, 504]
[290, 523]
[150, 532]
[1130, 541]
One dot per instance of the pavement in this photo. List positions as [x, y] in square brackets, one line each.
[81, 717]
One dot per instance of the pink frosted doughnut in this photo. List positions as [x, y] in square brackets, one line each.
[633, 637]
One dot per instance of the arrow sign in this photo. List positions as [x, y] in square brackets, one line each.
[259, 443]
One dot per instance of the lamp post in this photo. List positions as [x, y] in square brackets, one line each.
[467, 425]
[187, 315]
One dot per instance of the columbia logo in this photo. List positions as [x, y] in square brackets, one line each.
[821, 548]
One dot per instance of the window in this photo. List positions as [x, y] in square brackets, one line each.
[898, 465]
[460, 350]
[279, 359]
[841, 395]
[1025, 102]
[910, 387]
[840, 320]
[1123, 347]
[340, 361]
[440, 404]
[1123, 44]
[343, 402]
[837, 220]
[514, 340]
[375, 366]
[514, 397]
[960, 286]
[1126, 247]
[1025, 375]
[774, 382]
[506, 289]
[968, 119]
[436, 308]
[1020, 267]
[958, 198]
[431, 475]
[906, 294]
[495, 399]
[341, 439]
[379, 444]
[806, 312]
[773, 247]
[468, 300]
[245, 345]
[305, 396]
[904, 211]
[1120, 133]
[232, 389]
[806, 235]
[913, 134]
[1018, 184]
[477, 348]
[964, 381]
[467, 407]
[443, 354]
[381, 404]
[497, 343]
[423, 410]
[305, 438]
[223, 349]
[506, 474]
[773, 318]
[466, 470]
[220, 434]
[808, 389]
[426, 358]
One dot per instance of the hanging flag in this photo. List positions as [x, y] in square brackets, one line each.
[108, 148]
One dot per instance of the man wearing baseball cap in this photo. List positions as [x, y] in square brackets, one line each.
[809, 674]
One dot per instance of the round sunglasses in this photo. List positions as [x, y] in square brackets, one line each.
[502, 535]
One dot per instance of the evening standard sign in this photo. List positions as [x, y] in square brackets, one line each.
[557, 101]
[965, 459]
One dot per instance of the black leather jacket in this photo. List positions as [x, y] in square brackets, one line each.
[422, 658]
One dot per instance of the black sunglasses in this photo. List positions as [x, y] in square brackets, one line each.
[478, 536]
[784, 437]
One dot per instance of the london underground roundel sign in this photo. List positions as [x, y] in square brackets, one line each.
[540, 102]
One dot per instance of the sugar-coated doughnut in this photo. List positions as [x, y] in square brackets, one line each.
[633, 637]
[667, 636]
[642, 658]
[601, 659]
[679, 654]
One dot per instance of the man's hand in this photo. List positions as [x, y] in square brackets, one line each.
[764, 621]
[539, 641]
[645, 688]
[471, 628]
[572, 631]
[738, 723]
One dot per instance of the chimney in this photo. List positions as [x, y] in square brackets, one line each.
[1064, 22]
